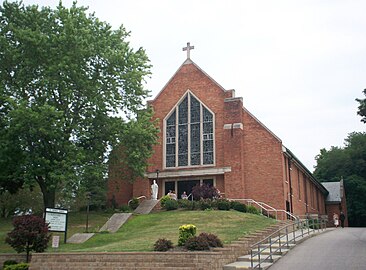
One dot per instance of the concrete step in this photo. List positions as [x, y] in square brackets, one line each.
[247, 258]
[115, 222]
[244, 265]
[146, 206]
[79, 238]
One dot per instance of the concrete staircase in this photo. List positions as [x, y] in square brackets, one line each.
[244, 262]
[115, 222]
[146, 206]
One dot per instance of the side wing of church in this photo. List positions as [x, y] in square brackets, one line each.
[208, 137]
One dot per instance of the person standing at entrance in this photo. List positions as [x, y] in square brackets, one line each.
[336, 220]
[342, 217]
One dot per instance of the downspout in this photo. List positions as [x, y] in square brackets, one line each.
[290, 182]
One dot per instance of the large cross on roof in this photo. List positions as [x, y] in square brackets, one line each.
[188, 49]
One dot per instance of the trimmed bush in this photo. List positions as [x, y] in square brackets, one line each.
[134, 203]
[163, 244]
[185, 204]
[185, 232]
[252, 210]
[125, 208]
[171, 205]
[164, 199]
[212, 239]
[238, 206]
[9, 262]
[205, 204]
[19, 266]
[223, 205]
[197, 243]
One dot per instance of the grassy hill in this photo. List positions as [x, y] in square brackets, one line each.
[141, 231]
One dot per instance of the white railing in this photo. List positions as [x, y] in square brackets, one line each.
[268, 209]
[139, 198]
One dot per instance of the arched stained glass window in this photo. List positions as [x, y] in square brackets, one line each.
[189, 137]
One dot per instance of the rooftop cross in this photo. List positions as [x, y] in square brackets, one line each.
[188, 49]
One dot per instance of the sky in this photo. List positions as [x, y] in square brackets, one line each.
[298, 65]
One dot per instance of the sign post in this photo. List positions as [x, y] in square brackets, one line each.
[57, 220]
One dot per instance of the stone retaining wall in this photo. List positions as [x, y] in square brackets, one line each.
[11, 256]
[212, 260]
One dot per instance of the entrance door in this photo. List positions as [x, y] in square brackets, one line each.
[169, 185]
[186, 186]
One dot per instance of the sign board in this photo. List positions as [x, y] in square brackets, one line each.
[55, 241]
[57, 219]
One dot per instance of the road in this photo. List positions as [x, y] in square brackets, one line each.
[338, 249]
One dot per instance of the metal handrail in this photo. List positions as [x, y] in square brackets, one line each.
[267, 208]
[141, 197]
[281, 236]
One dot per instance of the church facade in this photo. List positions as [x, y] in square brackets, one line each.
[207, 136]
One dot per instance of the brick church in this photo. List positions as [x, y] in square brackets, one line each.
[207, 136]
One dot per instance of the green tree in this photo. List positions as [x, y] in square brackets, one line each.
[70, 90]
[362, 107]
[349, 163]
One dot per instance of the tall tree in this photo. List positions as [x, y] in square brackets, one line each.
[70, 87]
[349, 163]
[362, 107]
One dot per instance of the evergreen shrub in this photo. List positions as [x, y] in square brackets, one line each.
[238, 206]
[134, 203]
[205, 204]
[171, 205]
[164, 199]
[19, 266]
[252, 210]
[223, 204]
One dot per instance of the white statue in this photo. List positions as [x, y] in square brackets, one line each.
[154, 190]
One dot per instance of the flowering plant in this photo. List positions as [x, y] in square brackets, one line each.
[186, 231]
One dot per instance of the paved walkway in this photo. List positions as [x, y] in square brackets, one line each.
[338, 249]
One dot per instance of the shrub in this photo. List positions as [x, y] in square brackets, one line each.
[134, 203]
[163, 244]
[185, 204]
[204, 192]
[164, 199]
[238, 206]
[125, 208]
[223, 205]
[252, 210]
[212, 239]
[29, 233]
[9, 262]
[19, 266]
[171, 205]
[185, 232]
[197, 243]
[205, 204]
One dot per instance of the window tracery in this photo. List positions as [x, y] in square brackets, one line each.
[189, 137]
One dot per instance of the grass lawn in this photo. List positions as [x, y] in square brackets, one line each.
[141, 231]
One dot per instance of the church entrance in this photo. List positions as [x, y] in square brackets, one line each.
[179, 186]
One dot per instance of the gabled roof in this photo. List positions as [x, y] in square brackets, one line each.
[334, 189]
[291, 155]
[187, 62]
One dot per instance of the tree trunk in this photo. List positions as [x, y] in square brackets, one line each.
[48, 194]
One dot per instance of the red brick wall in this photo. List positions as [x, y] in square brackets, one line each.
[263, 164]
[258, 166]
